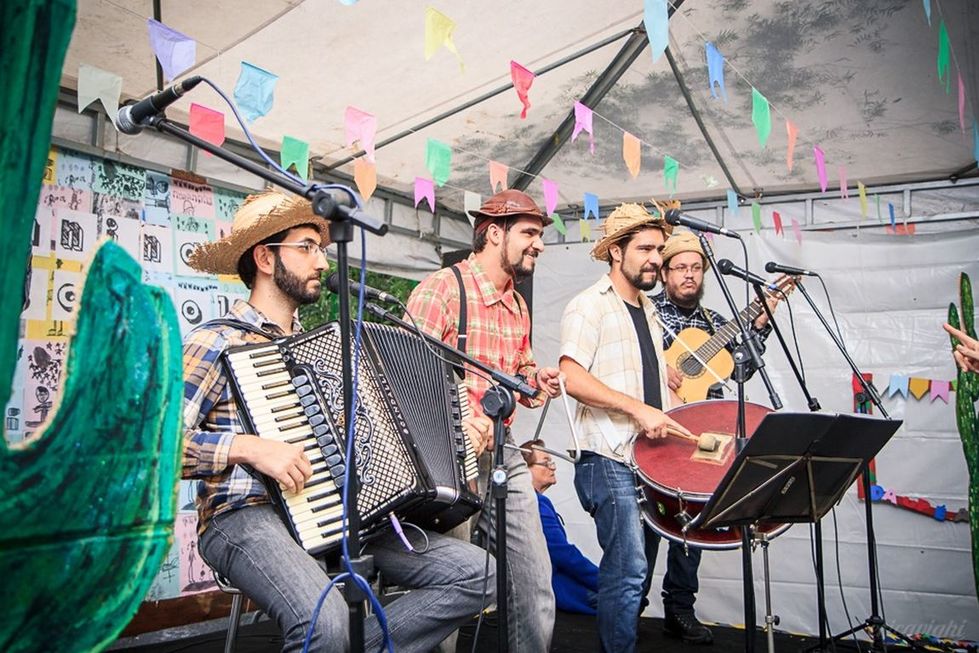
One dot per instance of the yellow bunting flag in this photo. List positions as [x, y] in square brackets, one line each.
[585, 229]
[438, 32]
[631, 153]
[365, 176]
[863, 199]
[918, 387]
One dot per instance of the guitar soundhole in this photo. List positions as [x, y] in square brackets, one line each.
[690, 367]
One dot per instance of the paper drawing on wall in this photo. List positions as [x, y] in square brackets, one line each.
[155, 251]
[191, 312]
[118, 179]
[72, 236]
[75, 233]
[187, 198]
[152, 250]
[112, 205]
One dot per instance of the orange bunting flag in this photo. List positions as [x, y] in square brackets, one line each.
[498, 175]
[919, 387]
[631, 153]
[522, 79]
[792, 132]
[365, 176]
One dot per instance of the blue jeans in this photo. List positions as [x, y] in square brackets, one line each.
[252, 548]
[608, 492]
[530, 598]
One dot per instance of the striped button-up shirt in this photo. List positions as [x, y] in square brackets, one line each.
[598, 333]
[498, 325]
[211, 419]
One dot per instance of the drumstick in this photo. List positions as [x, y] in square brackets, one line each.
[705, 441]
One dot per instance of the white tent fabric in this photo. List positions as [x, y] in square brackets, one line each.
[891, 296]
[858, 79]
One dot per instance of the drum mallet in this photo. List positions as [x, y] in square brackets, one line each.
[705, 441]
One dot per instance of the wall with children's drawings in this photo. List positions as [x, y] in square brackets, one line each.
[158, 218]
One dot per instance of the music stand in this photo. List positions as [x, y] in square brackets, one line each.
[794, 469]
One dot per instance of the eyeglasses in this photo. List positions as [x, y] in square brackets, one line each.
[683, 269]
[307, 246]
[550, 464]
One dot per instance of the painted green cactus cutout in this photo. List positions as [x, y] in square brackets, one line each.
[966, 417]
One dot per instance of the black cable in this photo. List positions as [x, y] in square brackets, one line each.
[489, 522]
[831, 311]
[839, 580]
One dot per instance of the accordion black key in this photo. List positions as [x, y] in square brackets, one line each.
[413, 457]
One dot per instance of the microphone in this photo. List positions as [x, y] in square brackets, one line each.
[674, 217]
[131, 117]
[774, 267]
[725, 266]
[333, 283]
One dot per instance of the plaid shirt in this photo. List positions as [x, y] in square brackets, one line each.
[677, 319]
[498, 325]
[598, 333]
[211, 415]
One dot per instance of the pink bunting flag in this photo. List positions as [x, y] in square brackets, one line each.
[939, 390]
[631, 153]
[797, 230]
[583, 121]
[844, 187]
[522, 79]
[777, 221]
[498, 175]
[207, 124]
[360, 126]
[820, 167]
[961, 103]
[550, 195]
[425, 189]
[792, 132]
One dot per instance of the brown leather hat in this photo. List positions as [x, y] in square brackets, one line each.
[509, 204]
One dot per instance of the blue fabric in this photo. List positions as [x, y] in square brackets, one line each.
[573, 576]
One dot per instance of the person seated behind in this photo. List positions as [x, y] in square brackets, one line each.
[573, 576]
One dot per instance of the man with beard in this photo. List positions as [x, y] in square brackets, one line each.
[612, 356]
[277, 246]
[684, 267]
[507, 235]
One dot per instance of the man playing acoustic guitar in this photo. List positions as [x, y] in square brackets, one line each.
[701, 331]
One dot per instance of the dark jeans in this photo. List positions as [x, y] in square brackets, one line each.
[607, 490]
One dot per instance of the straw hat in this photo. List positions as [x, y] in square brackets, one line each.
[508, 204]
[258, 218]
[683, 241]
[625, 219]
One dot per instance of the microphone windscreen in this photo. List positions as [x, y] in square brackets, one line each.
[771, 266]
[672, 216]
[333, 282]
[725, 265]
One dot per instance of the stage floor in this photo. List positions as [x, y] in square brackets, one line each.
[572, 634]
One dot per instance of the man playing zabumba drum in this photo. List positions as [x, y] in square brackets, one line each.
[612, 356]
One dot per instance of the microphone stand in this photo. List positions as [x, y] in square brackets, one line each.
[874, 623]
[342, 220]
[498, 404]
[747, 358]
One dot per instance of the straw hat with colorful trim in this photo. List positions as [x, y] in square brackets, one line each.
[683, 241]
[259, 217]
[624, 220]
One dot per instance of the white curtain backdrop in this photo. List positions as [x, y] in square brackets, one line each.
[891, 295]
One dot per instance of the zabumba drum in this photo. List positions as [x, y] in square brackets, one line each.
[677, 478]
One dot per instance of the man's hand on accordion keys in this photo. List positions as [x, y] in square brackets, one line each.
[286, 463]
[479, 428]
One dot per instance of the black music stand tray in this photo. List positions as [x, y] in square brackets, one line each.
[794, 469]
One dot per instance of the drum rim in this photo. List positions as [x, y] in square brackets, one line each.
[708, 546]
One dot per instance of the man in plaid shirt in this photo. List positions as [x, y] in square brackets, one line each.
[277, 246]
[506, 243]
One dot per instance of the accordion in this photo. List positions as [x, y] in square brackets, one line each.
[413, 458]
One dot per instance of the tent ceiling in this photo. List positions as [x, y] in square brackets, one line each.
[859, 79]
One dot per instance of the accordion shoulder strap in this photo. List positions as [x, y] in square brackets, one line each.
[238, 324]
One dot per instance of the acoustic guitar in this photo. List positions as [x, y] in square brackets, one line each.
[712, 349]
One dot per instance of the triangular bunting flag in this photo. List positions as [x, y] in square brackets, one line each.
[254, 91]
[295, 152]
[522, 79]
[591, 206]
[583, 122]
[898, 385]
[176, 52]
[97, 84]
[939, 390]
[918, 387]
[425, 189]
[438, 32]
[631, 153]
[498, 175]
[365, 176]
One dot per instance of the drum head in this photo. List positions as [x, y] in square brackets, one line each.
[666, 462]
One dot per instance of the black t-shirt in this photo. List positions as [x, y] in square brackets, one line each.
[650, 366]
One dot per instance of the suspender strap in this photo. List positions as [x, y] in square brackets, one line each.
[463, 336]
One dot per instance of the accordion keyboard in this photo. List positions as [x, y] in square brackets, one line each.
[283, 408]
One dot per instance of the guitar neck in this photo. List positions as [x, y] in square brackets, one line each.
[726, 333]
